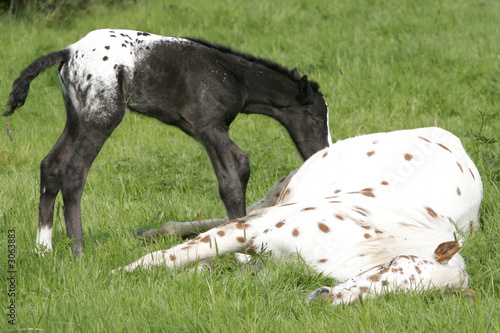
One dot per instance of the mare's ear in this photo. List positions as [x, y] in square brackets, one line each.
[295, 74]
[445, 251]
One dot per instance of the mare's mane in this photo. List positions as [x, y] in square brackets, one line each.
[251, 58]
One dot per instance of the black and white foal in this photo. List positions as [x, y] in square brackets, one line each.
[192, 84]
[380, 212]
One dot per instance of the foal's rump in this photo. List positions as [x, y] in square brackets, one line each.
[99, 71]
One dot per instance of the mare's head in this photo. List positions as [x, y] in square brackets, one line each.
[306, 119]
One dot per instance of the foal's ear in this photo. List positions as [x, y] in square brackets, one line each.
[304, 87]
[295, 74]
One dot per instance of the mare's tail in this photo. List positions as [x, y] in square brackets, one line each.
[21, 85]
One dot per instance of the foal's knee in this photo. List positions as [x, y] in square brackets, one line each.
[49, 183]
[242, 164]
[244, 169]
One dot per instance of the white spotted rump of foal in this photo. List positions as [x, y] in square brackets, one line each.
[379, 212]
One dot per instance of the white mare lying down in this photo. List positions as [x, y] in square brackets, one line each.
[378, 212]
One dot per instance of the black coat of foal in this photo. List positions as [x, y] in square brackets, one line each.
[194, 85]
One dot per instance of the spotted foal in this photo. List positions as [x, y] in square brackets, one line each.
[192, 84]
[379, 212]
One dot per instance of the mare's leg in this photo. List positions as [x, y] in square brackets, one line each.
[404, 273]
[231, 237]
[272, 195]
[192, 227]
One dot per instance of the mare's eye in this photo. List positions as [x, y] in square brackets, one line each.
[319, 123]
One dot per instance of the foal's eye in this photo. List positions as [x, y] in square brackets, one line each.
[319, 123]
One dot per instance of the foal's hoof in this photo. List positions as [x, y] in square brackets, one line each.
[77, 248]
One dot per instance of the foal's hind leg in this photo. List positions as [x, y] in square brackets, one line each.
[49, 187]
[74, 170]
[49, 181]
[95, 114]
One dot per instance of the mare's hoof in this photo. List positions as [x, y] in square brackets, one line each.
[147, 235]
[318, 294]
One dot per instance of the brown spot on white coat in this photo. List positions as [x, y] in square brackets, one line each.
[368, 192]
[431, 212]
[444, 147]
[323, 227]
[361, 210]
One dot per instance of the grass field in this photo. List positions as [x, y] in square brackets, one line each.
[381, 67]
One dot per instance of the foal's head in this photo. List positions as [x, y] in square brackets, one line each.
[307, 119]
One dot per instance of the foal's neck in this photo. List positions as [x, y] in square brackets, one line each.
[269, 91]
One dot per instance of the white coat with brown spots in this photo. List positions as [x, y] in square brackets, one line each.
[379, 212]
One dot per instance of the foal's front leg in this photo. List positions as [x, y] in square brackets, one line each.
[231, 167]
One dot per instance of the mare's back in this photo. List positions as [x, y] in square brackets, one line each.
[425, 169]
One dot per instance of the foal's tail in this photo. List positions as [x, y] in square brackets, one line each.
[21, 85]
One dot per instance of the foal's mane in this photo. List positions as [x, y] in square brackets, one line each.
[251, 58]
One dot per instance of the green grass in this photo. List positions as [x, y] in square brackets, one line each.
[381, 68]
